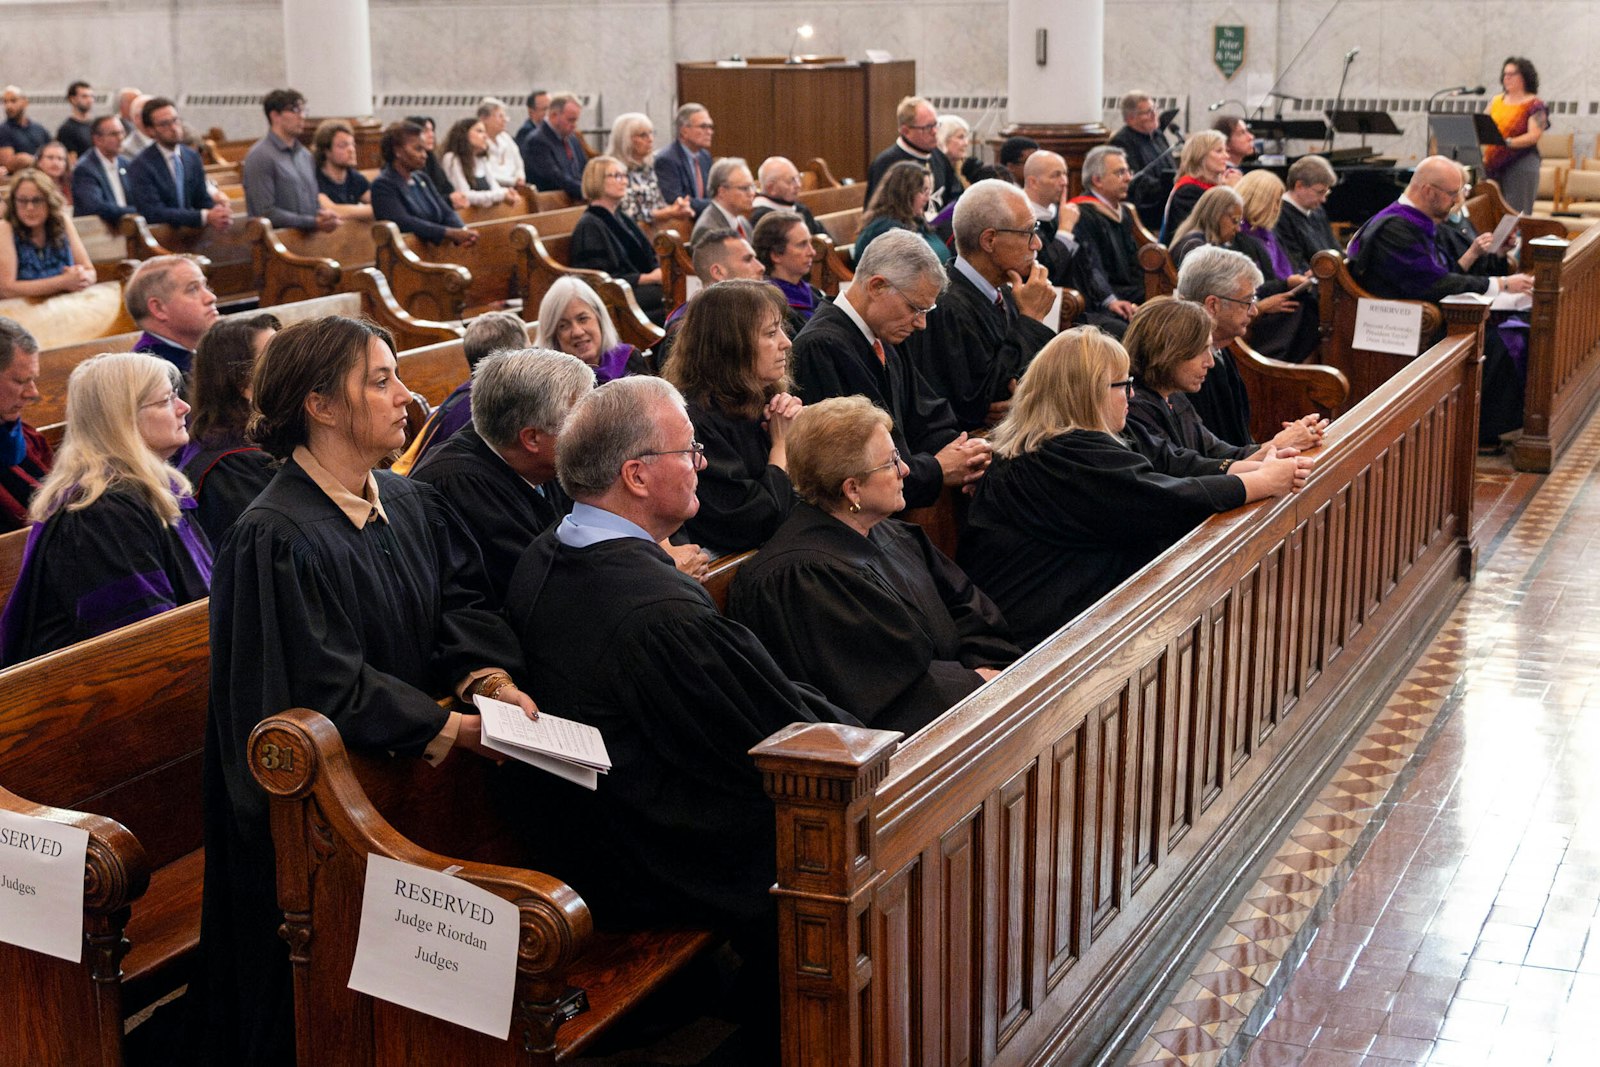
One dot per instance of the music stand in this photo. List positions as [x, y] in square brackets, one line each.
[1289, 129]
[1461, 136]
[1365, 123]
[1166, 118]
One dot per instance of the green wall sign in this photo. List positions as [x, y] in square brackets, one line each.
[1229, 55]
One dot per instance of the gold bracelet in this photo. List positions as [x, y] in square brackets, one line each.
[499, 680]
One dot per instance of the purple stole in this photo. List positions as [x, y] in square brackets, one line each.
[1423, 261]
[1280, 261]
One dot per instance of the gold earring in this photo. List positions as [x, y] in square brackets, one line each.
[855, 507]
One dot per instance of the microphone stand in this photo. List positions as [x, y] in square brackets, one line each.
[1338, 98]
[1306, 44]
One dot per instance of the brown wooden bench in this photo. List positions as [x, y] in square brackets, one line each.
[829, 270]
[230, 266]
[1339, 296]
[11, 548]
[843, 226]
[1019, 881]
[446, 281]
[828, 199]
[539, 268]
[330, 810]
[815, 174]
[107, 735]
[107, 248]
[1563, 346]
[1488, 206]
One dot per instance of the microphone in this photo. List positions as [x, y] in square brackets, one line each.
[1216, 106]
[1476, 90]
[1348, 56]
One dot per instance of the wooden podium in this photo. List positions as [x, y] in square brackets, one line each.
[843, 112]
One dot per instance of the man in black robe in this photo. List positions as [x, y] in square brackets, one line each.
[1106, 223]
[780, 191]
[498, 473]
[989, 322]
[1303, 229]
[1225, 282]
[1397, 256]
[680, 830]
[849, 347]
[918, 142]
[1071, 263]
[1149, 152]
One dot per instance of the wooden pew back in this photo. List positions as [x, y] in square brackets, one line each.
[826, 200]
[539, 269]
[1339, 296]
[231, 270]
[843, 226]
[1018, 881]
[1563, 346]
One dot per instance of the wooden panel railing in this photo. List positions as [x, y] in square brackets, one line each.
[1017, 882]
[1563, 346]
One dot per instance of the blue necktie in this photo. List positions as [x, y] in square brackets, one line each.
[177, 175]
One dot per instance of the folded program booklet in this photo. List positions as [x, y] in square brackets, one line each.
[571, 750]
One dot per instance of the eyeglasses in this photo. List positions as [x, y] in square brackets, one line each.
[1451, 193]
[1031, 234]
[924, 129]
[1235, 300]
[893, 464]
[748, 187]
[916, 309]
[616, 174]
[31, 201]
[696, 453]
[168, 401]
[164, 123]
[1126, 385]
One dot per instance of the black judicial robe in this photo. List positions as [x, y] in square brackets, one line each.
[1051, 532]
[1223, 403]
[1079, 268]
[831, 357]
[366, 626]
[1303, 235]
[1455, 237]
[1115, 249]
[885, 625]
[227, 476]
[743, 498]
[610, 241]
[497, 505]
[680, 831]
[971, 350]
[1174, 420]
[93, 570]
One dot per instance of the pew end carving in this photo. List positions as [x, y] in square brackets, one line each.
[1280, 391]
[1563, 346]
[538, 270]
[676, 267]
[436, 291]
[287, 276]
[1160, 277]
[829, 271]
[379, 304]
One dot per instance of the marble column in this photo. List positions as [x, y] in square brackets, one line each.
[1057, 101]
[327, 49]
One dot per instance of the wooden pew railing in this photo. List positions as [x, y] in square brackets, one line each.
[107, 735]
[230, 270]
[1563, 346]
[1488, 206]
[676, 267]
[539, 268]
[1018, 882]
[829, 271]
[330, 811]
[1339, 296]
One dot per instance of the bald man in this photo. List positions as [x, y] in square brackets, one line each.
[780, 191]
[1398, 255]
[1070, 263]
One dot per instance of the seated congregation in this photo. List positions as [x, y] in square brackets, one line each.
[853, 508]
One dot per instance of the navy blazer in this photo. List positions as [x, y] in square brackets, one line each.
[544, 157]
[152, 192]
[414, 206]
[675, 174]
[92, 193]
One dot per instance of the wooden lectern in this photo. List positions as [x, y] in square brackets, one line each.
[843, 112]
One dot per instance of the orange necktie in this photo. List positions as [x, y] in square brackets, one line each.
[877, 348]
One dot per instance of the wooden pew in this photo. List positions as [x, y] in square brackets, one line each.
[1563, 346]
[843, 226]
[1019, 881]
[107, 248]
[446, 281]
[677, 267]
[11, 548]
[1488, 206]
[539, 268]
[70, 318]
[107, 735]
[814, 174]
[1338, 297]
[230, 270]
[719, 578]
[828, 199]
[829, 270]
[367, 295]
[331, 810]
[294, 265]
[1160, 276]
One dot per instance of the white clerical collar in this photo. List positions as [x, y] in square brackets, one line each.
[914, 152]
[1041, 212]
[1292, 202]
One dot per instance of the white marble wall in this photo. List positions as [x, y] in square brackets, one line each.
[624, 51]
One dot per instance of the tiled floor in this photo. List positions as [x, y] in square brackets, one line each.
[1434, 903]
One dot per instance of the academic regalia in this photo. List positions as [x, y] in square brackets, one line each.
[605, 240]
[947, 187]
[1303, 234]
[178, 356]
[743, 498]
[766, 204]
[1051, 532]
[832, 357]
[1076, 265]
[502, 511]
[620, 362]
[92, 570]
[367, 626]
[1115, 248]
[804, 299]
[681, 829]
[971, 349]
[445, 421]
[1186, 193]
[885, 625]
[30, 458]
[1455, 236]
[227, 476]
[1223, 403]
[1397, 256]
[1291, 336]
[1175, 420]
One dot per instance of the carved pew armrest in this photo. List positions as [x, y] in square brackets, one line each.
[422, 288]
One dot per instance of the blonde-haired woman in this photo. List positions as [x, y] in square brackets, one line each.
[633, 141]
[113, 540]
[607, 240]
[1285, 328]
[1070, 507]
[1203, 164]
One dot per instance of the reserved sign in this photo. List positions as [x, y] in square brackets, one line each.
[1393, 326]
[41, 885]
[437, 944]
